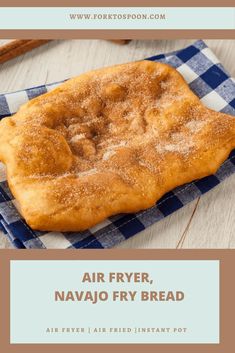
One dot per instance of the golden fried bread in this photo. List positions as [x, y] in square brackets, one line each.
[110, 141]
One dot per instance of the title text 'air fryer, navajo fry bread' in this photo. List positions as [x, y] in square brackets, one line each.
[109, 141]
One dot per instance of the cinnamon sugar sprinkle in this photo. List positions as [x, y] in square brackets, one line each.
[119, 112]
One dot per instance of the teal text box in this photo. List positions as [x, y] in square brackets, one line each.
[125, 18]
[34, 313]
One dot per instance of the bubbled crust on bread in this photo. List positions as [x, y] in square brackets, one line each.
[110, 141]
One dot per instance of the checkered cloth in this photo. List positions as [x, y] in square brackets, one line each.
[209, 80]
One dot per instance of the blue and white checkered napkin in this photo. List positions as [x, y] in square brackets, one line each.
[209, 80]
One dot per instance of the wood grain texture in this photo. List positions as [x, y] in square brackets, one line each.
[208, 222]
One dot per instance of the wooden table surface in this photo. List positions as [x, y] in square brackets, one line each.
[209, 221]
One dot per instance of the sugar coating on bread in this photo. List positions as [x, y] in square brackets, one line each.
[110, 141]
